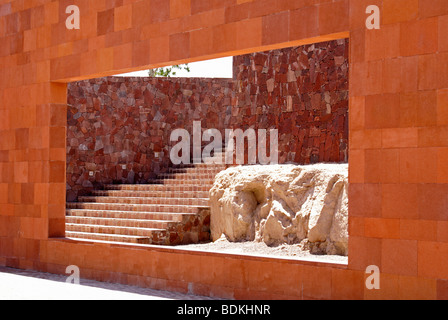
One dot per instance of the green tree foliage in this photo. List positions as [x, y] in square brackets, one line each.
[168, 71]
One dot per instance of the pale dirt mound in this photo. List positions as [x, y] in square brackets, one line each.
[302, 208]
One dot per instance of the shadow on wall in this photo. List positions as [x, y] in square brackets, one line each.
[119, 128]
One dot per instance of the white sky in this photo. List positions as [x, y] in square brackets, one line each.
[216, 68]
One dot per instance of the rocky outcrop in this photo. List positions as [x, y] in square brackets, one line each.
[283, 204]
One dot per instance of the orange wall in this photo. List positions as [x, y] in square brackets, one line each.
[398, 136]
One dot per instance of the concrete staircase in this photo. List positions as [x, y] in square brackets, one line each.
[172, 209]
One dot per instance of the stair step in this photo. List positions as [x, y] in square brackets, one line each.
[186, 176]
[151, 194]
[189, 181]
[167, 216]
[155, 187]
[194, 170]
[127, 231]
[107, 237]
[133, 207]
[117, 222]
[148, 201]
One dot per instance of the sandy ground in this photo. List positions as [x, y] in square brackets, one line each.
[32, 285]
[295, 251]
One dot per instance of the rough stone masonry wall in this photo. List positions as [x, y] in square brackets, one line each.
[119, 128]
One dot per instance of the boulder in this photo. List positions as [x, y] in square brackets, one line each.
[283, 204]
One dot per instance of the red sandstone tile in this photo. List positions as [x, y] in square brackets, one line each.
[179, 46]
[21, 172]
[304, 23]
[418, 165]
[140, 13]
[160, 11]
[400, 201]
[365, 200]
[364, 252]
[372, 83]
[334, 17]
[201, 42]
[224, 37]
[433, 8]
[392, 81]
[415, 288]
[366, 139]
[389, 288]
[41, 194]
[442, 231]
[122, 56]
[249, 33]
[347, 284]
[418, 230]
[356, 226]
[159, 49]
[180, 8]
[432, 259]
[141, 53]
[400, 138]
[433, 202]
[382, 228]
[357, 113]
[123, 18]
[443, 39]
[442, 289]
[399, 10]
[316, 283]
[419, 37]
[399, 257]
[3, 193]
[237, 13]
[390, 166]
[382, 43]
[57, 171]
[409, 165]
[433, 137]
[105, 22]
[409, 74]
[442, 107]
[357, 46]
[382, 111]
[57, 137]
[428, 70]
[276, 28]
[442, 165]
[356, 167]
[56, 227]
[442, 61]
[373, 166]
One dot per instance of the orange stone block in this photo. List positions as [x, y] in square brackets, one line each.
[400, 10]
[276, 28]
[419, 37]
[334, 17]
[179, 8]
[382, 228]
[417, 288]
[443, 39]
[249, 33]
[304, 23]
[418, 230]
[123, 18]
[400, 201]
[399, 257]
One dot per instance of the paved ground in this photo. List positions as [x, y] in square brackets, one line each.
[31, 285]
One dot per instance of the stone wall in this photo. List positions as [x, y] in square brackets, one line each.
[119, 128]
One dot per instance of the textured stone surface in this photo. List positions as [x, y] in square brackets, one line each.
[281, 204]
[119, 128]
